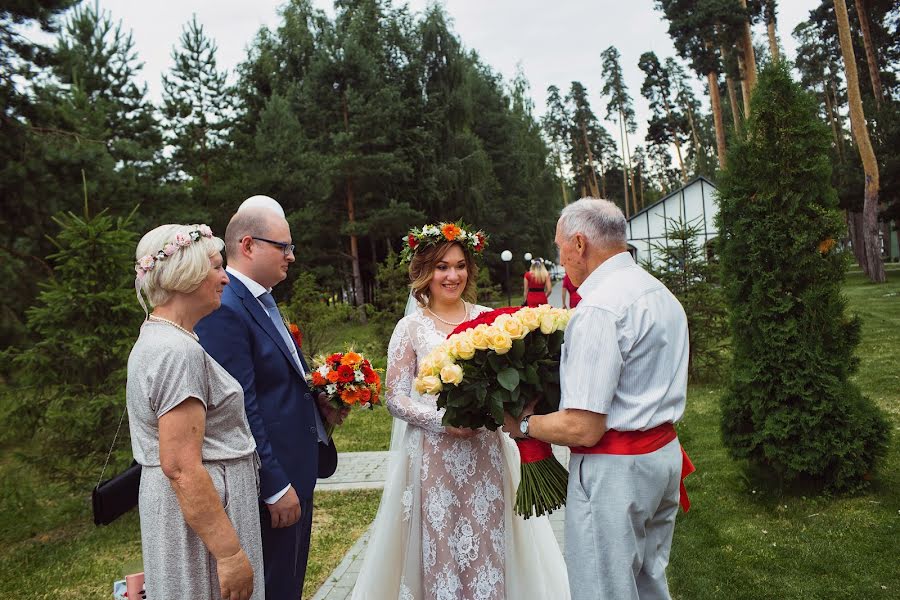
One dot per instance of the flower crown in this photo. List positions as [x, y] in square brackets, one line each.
[429, 235]
[145, 264]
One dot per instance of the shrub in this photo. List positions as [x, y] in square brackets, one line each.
[790, 408]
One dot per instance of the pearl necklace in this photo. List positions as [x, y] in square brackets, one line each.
[465, 318]
[175, 325]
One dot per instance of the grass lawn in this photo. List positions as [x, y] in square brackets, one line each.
[737, 541]
[78, 560]
[741, 542]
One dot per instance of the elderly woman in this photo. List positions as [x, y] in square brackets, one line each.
[198, 498]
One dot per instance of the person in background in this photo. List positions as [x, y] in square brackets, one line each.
[200, 534]
[537, 284]
[570, 293]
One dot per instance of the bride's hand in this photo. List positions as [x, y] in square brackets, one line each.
[461, 432]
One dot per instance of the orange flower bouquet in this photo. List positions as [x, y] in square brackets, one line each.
[348, 379]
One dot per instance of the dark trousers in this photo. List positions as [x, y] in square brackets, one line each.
[285, 552]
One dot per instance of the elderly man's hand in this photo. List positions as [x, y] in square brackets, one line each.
[511, 423]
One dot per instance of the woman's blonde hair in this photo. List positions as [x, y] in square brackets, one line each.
[184, 270]
[423, 263]
[538, 271]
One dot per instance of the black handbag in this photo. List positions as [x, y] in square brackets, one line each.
[114, 497]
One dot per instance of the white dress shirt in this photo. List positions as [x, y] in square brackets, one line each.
[257, 290]
[626, 349]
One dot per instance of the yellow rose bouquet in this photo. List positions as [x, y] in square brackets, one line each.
[497, 363]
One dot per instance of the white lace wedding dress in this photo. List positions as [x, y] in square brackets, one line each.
[445, 529]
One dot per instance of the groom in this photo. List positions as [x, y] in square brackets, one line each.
[247, 336]
[624, 380]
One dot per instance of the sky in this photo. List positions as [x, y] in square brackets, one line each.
[553, 43]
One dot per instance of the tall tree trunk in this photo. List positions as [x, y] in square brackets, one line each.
[716, 103]
[837, 115]
[592, 176]
[745, 86]
[857, 237]
[677, 142]
[351, 219]
[694, 135]
[874, 266]
[631, 174]
[733, 102]
[829, 110]
[602, 176]
[871, 57]
[749, 53]
[624, 164]
[641, 173]
[562, 180]
[769, 11]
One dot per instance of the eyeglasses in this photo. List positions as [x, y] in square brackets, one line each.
[286, 248]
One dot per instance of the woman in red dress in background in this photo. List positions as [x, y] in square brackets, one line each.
[537, 284]
[569, 287]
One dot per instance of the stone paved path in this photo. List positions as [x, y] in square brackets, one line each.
[366, 470]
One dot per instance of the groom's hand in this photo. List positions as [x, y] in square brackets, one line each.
[286, 511]
[331, 414]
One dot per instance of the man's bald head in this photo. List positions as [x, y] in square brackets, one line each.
[250, 221]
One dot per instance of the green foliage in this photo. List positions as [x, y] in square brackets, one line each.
[790, 407]
[70, 383]
[316, 315]
[684, 268]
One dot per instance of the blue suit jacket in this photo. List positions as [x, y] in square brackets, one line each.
[242, 338]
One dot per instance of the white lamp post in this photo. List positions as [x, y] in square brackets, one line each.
[506, 256]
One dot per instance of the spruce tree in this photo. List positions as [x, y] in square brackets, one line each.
[790, 407]
[85, 321]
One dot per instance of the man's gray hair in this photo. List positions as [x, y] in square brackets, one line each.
[600, 221]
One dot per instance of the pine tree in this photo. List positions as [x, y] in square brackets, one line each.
[557, 124]
[197, 109]
[621, 106]
[790, 407]
[667, 124]
[22, 246]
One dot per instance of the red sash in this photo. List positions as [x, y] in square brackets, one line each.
[642, 442]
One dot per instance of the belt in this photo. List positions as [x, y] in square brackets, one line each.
[535, 289]
[642, 442]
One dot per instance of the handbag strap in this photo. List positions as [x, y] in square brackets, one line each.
[113, 445]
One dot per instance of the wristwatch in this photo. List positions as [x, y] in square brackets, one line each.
[523, 425]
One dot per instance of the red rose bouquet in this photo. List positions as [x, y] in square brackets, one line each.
[496, 363]
[348, 379]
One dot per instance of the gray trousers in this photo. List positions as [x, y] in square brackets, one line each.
[620, 517]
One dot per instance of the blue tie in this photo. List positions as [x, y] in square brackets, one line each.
[272, 310]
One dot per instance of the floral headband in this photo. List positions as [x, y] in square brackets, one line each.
[145, 264]
[429, 235]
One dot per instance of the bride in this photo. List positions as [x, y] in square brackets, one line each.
[445, 529]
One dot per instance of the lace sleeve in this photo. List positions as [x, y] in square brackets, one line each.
[401, 370]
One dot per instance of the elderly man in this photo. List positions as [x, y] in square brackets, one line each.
[624, 380]
[248, 337]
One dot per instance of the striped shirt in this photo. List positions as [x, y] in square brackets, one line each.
[626, 349]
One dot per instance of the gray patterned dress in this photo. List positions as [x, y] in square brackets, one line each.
[166, 366]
